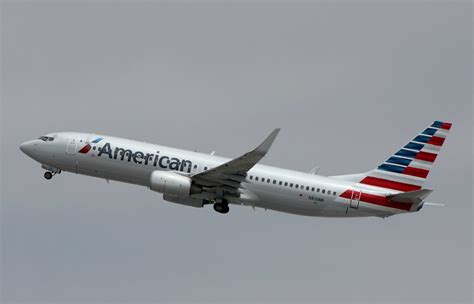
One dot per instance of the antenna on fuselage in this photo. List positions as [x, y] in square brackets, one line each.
[315, 170]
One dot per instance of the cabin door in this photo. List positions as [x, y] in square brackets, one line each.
[355, 198]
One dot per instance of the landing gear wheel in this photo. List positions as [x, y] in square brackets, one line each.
[48, 175]
[221, 207]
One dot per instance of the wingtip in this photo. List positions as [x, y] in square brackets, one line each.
[266, 144]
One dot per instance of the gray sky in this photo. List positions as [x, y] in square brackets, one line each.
[347, 83]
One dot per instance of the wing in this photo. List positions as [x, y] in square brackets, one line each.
[229, 176]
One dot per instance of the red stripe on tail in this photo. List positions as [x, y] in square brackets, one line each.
[437, 141]
[446, 126]
[426, 156]
[385, 183]
[416, 172]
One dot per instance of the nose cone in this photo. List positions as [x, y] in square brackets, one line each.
[28, 147]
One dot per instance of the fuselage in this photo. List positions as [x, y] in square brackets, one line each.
[131, 161]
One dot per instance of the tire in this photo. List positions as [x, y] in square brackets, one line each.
[221, 208]
[48, 175]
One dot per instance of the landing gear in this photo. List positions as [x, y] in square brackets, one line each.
[50, 171]
[221, 207]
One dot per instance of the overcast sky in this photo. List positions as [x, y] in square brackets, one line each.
[348, 84]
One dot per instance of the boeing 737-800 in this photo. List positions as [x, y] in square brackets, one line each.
[197, 179]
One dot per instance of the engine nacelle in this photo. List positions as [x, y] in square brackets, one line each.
[170, 183]
[188, 201]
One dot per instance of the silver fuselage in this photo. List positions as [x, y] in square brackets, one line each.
[272, 190]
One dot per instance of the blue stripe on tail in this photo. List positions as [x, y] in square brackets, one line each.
[414, 146]
[406, 153]
[422, 138]
[399, 161]
[392, 168]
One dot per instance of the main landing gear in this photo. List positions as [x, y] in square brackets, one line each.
[221, 206]
[48, 175]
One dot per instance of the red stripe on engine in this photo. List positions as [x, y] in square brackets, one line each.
[416, 172]
[385, 183]
[437, 141]
[446, 126]
[378, 200]
[426, 156]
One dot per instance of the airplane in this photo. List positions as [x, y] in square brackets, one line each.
[198, 179]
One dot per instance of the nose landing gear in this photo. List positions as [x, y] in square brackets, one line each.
[51, 171]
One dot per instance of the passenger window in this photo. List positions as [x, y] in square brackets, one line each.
[274, 181]
[291, 185]
[324, 191]
[312, 189]
[302, 187]
[286, 184]
[256, 178]
[317, 190]
[307, 188]
[205, 168]
[195, 166]
[297, 186]
[334, 193]
[280, 183]
[268, 180]
[93, 148]
[251, 177]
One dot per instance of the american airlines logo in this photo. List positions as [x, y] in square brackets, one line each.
[147, 159]
[87, 147]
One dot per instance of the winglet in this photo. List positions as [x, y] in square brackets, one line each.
[267, 143]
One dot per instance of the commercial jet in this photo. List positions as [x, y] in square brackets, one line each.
[198, 179]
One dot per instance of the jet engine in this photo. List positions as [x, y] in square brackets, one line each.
[176, 188]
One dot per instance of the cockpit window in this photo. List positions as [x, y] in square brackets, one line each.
[46, 138]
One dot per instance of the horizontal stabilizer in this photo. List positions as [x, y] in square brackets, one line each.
[434, 204]
[416, 196]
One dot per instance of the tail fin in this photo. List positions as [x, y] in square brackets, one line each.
[408, 168]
